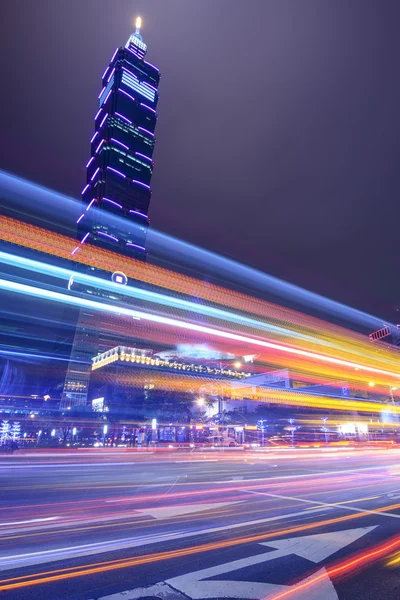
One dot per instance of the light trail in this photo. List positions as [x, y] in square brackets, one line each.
[357, 560]
[22, 194]
[103, 307]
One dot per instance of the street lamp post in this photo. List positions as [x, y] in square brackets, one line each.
[392, 389]
[237, 364]
[105, 429]
[291, 421]
[325, 429]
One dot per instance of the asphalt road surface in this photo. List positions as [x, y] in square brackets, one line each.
[316, 524]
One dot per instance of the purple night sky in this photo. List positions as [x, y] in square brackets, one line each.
[278, 132]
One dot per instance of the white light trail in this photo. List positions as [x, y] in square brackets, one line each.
[83, 302]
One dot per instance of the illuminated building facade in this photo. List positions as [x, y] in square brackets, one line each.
[118, 185]
[121, 164]
[146, 358]
[137, 371]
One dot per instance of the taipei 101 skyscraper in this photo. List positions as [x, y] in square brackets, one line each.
[121, 165]
[118, 181]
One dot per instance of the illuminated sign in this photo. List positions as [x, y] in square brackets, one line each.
[381, 333]
[119, 277]
[98, 404]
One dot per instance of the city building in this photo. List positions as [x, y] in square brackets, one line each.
[121, 164]
[146, 369]
[118, 185]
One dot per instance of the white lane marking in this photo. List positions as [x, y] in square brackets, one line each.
[30, 521]
[326, 504]
[163, 512]
[46, 556]
[79, 465]
[198, 460]
[394, 494]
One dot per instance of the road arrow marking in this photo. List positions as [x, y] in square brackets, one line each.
[318, 547]
[164, 512]
[324, 590]
[159, 590]
[198, 589]
[314, 547]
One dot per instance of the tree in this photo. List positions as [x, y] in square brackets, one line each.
[4, 431]
[15, 430]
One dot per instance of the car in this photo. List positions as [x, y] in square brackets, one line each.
[219, 441]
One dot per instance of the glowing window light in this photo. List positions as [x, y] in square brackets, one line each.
[133, 52]
[99, 146]
[81, 217]
[150, 65]
[114, 55]
[112, 202]
[126, 94]
[135, 246]
[120, 143]
[102, 121]
[140, 183]
[130, 72]
[124, 118]
[106, 98]
[137, 42]
[117, 172]
[150, 86]
[108, 236]
[146, 131]
[144, 156]
[106, 92]
[95, 173]
[111, 74]
[137, 212]
[85, 237]
[148, 107]
[138, 87]
[90, 204]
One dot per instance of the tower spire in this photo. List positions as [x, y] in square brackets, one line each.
[138, 25]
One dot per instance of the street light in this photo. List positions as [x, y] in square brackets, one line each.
[325, 429]
[392, 389]
[105, 429]
[237, 364]
[200, 401]
[371, 384]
